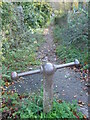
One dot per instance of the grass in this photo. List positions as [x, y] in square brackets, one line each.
[69, 52]
[21, 107]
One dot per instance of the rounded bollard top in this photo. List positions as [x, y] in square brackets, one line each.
[14, 75]
[48, 68]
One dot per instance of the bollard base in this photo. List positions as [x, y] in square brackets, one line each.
[47, 94]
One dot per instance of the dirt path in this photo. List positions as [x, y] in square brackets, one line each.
[47, 50]
[67, 83]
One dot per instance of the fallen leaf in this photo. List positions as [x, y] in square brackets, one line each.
[21, 78]
[13, 104]
[79, 102]
[3, 105]
[63, 94]
[16, 109]
[35, 42]
[1, 87]
[8, 92]
[87, 94]
[75, 96]
[84, 117]
[11, 108]
[80, 105]
[12, 83]
[59, 101]
[3, 92]
[83, 103]
[88, 104]
[12, 91]
[74, 68]
[76, 115]
[85, 88]
[7, 84]
[82, 81]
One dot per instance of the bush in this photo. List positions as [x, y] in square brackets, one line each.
[73, 40]
[36, 14]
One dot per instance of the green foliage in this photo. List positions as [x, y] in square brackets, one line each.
[36, 14]
[6, 13]
[77, 29]
[32, 107]
[73, 40]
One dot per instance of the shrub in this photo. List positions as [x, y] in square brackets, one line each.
[73, 40]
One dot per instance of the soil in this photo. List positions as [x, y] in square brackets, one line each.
[68, 84]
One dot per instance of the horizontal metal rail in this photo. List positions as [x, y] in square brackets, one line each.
[64, 65]
[29, 73]
[15, 75]
[75, 63]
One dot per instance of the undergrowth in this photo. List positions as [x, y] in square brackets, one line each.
[20, 58]
[31, 106]
[72, 40]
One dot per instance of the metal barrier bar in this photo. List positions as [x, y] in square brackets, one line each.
[29, 73]
[75, 63]
[15, 75]
[48, 71]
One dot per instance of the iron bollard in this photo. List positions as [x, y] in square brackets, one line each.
[48, 70]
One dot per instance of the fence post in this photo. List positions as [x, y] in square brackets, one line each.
[48, 72]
